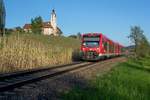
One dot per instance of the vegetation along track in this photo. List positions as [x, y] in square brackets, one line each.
[15, 80]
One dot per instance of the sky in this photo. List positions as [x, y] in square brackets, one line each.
[113, 18]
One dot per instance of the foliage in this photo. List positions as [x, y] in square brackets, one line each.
[140, 41]
[127, 81]
[36, 25]
[8, 31]
[59, 32]
[19, 29]
[73, 36]
[28, 51]
[2, 17]
[77, 36]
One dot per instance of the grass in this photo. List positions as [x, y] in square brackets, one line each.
[127, 81]
[28, 51]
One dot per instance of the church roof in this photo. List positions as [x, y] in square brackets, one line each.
[45, 25]
[27, 26]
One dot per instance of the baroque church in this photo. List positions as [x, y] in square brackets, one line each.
[49, 28]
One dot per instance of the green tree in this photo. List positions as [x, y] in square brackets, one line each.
[73, 36]
[2, 18]
[8, 31]
[141, 43]
[36, 25]
[59, 32]
[79, 35]
[76, 36]
[19, 29]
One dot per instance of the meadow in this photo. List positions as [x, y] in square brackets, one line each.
[127, 81]
[29, 51]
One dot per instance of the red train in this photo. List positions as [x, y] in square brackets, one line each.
[96, 46]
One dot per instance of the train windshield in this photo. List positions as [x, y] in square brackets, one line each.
[91, 41]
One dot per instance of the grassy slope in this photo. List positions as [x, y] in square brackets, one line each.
[128, 81]
[27, 51]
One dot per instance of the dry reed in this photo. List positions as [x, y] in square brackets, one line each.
[22, 52]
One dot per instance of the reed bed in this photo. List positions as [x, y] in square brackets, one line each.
[28, 51]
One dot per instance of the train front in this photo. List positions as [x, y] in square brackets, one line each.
[90, 46]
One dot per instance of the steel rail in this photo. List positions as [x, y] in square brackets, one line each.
[21, 73]
[10, 84]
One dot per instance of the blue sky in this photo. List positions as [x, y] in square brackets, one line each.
[110, 17]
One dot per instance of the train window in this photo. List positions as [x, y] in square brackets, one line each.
[105, 45]
[108, 45]
[122, 49]
[111, 48]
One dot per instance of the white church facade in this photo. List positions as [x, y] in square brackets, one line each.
[48, 28]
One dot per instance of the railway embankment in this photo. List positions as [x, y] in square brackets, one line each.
[127, 81]
[52, 88]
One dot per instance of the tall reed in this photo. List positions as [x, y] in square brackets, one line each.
[28, 51]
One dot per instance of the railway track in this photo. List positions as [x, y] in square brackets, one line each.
[12, 81]
[15, 80]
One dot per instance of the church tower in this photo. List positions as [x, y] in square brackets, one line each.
[53, 20]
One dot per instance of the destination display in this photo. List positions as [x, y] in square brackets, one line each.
[91, 39]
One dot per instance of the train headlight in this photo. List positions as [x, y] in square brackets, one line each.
[100, 54]
[97, 48]
[83, 49]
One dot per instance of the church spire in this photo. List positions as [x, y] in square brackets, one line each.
[54, 19]
[53, 11]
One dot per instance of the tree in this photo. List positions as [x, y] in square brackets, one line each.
[2, 18]
[19, 29]
[79, 35]
[59, 32]
[36, 25]
[73, 36]
[140, 41]
[8, 31]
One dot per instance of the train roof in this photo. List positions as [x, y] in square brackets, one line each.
[96, 34]
[91, 34]
[100, 34]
